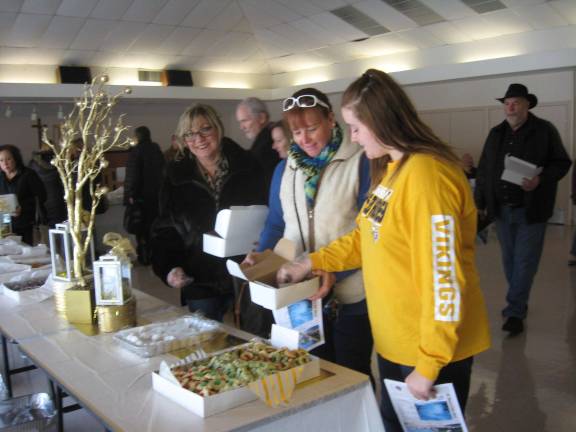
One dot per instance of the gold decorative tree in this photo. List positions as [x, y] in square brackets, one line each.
[87, 133]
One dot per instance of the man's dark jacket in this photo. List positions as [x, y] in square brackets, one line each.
[28, 188]
[265, 154]
[144, 171]
[542, 146]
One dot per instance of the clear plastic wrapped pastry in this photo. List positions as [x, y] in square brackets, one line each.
[158, 338]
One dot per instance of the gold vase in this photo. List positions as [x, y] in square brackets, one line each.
[114, 318]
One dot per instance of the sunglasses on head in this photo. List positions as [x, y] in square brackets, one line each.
[303, 101]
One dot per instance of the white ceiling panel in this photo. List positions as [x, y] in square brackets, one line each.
[228, 19]
[275, 45]
[269, 45]
[122, 36]
[243, 26]
[327, 5]
[76, 8]
[316, 31]
[6, 23]
[151, 38]
[202, 42]
[541, 16]
[27, 30]
[176, 42]
[37, 56]
[93, 34]
[302, 7]
[258, 18]
[48, 7]
[385, 15]
[448, 33]
[420, 37]
[301, 41]
[175, 11]
[144, 10]
[378, 46]
[297, 62]
[567, 9]
[449, 9]
[243, 35]
[273, 9]
[245, 48]
[204, 12]
[475, 28]
[225, 46]
[110, 9]
[522, 3]
[11, 5]
[61, 32]
[335, 25]
[335, 54]
[506, 22]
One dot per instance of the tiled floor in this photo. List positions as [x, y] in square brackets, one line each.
[522, 384]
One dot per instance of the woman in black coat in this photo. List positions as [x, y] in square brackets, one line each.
[144, 172]
[213, 173]
[16, 179]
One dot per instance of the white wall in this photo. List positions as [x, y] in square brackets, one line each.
[461, 112]
[161, 117]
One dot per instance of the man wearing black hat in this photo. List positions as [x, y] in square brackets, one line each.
[520, 211]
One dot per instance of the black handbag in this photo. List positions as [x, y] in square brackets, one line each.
[134, 218]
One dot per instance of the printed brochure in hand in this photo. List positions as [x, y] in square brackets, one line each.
[441, 414]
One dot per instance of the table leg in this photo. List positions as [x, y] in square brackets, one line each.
[6, 365]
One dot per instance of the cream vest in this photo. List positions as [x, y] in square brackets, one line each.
[334, 212]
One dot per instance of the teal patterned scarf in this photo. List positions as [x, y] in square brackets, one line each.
[312, 167]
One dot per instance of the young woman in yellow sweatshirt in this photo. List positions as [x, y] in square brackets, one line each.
[414, 241]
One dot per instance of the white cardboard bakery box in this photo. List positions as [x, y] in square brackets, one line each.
[205, 406]
[261, 277]
[236, 231]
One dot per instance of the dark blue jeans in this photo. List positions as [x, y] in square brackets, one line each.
[521, 245]
[348, 338]
[458, 373]
[212, 307]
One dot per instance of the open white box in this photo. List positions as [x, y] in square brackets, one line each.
[261, 277]
[205, 406]
[236, 231]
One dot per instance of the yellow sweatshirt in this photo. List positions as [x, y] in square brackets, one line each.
[415, 243]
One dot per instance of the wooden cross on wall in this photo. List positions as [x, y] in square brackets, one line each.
[39, 126]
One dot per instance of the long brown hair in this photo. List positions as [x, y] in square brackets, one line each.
[380, 103]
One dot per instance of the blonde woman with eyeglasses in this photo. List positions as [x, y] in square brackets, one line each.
[214, 173]
[314, 198]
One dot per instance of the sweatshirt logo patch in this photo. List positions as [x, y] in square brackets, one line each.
[446, 288]
[375, 208]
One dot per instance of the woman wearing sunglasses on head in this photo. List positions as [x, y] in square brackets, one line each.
[415, 243]
[314, 198]
[211, 173]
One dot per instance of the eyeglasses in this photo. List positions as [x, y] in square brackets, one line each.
[202, 132]
[303, 101]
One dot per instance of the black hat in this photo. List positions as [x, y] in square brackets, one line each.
[520, 90]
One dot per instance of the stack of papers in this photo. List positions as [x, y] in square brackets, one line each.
[516, 170]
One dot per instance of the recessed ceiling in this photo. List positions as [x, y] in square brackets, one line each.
[254, 36]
